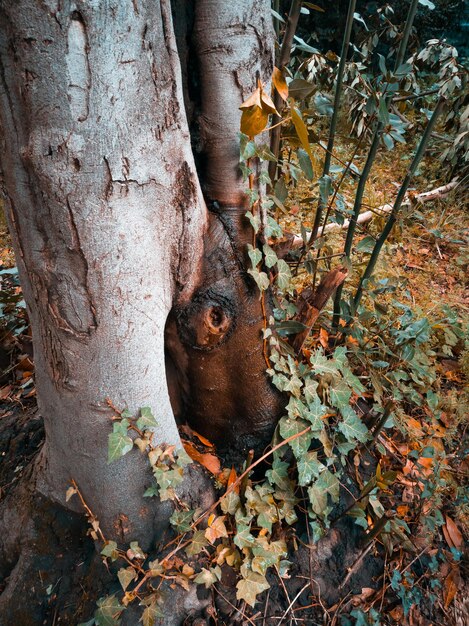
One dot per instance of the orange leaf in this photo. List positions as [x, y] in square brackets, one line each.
[253, 121]
[231, 479]
[216, 529]
[301, 130]
[280, 83]
[267, 105]
[452, 535]
[324, 338]
[186, 429]
[451, 586]
[209, 461]
[253, 100]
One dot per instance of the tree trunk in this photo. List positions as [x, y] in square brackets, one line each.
[107, 218]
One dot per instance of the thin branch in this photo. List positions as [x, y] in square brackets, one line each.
[335, 114]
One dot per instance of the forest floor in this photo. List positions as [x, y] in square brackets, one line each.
[425, 262]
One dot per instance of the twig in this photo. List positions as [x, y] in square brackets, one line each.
[233, 606]
[432, 194]
[293, 602]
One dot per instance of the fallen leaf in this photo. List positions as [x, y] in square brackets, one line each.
[451, 586]
[452, 534]
[208, 460]
[216, 529]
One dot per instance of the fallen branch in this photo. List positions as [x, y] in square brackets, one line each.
[440, 192]
[310, 303]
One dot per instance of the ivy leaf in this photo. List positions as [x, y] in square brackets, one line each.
[110, 550]
[351, 426]
[152, 610]
[289, 427]
[250, 587]
[340, 395]
[243, 537]
[278, 474]
[327, 483]
[216, 529]
[322, 365]
[315, 414]
[308, 468]
[310, 389]
[208, 577]
[270, 258]
[284, 274]
[261, 278]
[181, 520]
[126, 575]
[197, 544]
[118, 445]
[147, 420]
[230, 503]
[109, 610]
[255, 255]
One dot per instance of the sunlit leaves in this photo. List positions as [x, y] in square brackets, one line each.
[280, 84]
[255, 112]
[301, 130]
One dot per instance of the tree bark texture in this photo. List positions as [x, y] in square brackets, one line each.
[111, 232]
[107, 217]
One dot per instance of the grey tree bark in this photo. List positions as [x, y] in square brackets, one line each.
[107, 213]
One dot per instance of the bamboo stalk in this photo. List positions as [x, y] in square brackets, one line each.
[398, 202]
[283, 60]
[335, 114]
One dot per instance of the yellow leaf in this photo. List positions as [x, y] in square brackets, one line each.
[280, 83]
[253, 121]
[216, 530]
[253, 100]
[301, 130]
[267, 105]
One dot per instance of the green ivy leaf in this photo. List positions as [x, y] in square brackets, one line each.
[110, 550]
[284, 274]
[255, 255]
[308, 468]
[181, 520]
[126, 575]
[351, 426]
[197, 544]
[109, 611]
[322, 365]
[147, 420]
[118, 445]
[270, 258]
[261, 278]
[316, 410]
[208, 577]
[327, 483]
[243, 537]
[278, 474]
